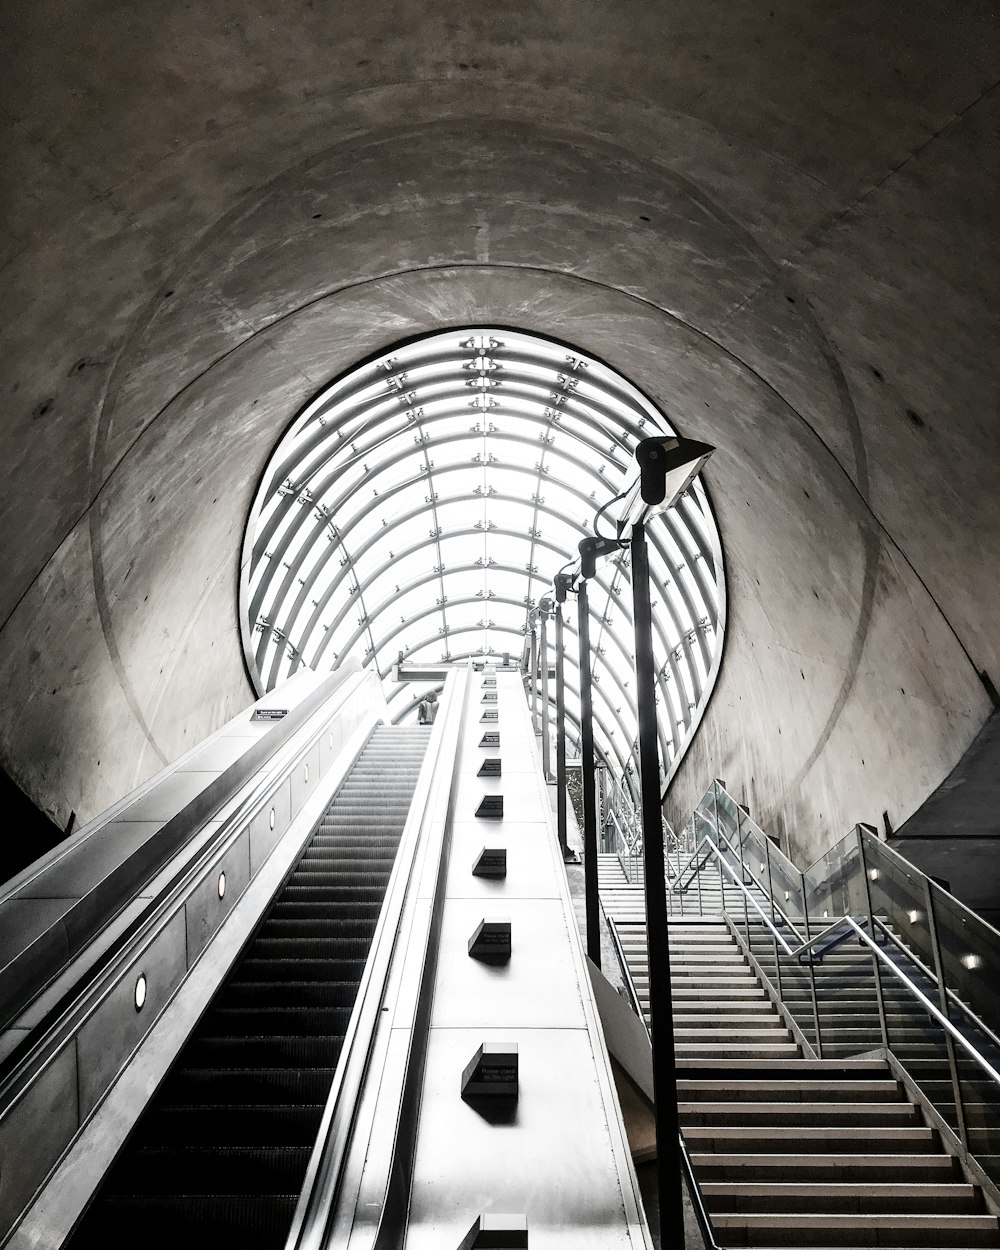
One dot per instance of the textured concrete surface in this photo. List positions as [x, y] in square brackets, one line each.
[779, 219]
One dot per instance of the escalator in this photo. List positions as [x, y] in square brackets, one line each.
[222, 1150]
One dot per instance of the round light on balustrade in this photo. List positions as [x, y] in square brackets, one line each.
[139, 993]
[913, 916]
[331, 741]
[222, 885]
[826, 915]
[972, 962]
[271, 818]
[762, 868]
[787, 896]
[305, 773]
[872, 874]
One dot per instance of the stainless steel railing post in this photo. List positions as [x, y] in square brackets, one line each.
[876, 971]
[956, 1084]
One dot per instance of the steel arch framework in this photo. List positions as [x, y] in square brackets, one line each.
[423, 501]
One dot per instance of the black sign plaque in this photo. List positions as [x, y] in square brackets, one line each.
[269, 713]
[491, 808]
[490, 767]
[491, 738]
[490, 696]
[491, 862]
[491, 713]
[491, 1072]
[489, 681]
[490, 943]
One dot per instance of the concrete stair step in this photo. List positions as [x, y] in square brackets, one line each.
[790, 1090]
[813, 1197]
[872, 1168]
[735, 1049]
[782, 1139]
[855, 1230]
[818, 1116]
[686, 1018]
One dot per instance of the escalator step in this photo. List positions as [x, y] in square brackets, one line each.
[307, 963]
[258, 1220]
[255, 1086]
[280, 929]
[290, 994]
[278, 1050]
[303, 910]
[263, 1124]
[212, 1169]
[287, 1021]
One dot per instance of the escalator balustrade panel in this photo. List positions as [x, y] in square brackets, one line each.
[222, 1149]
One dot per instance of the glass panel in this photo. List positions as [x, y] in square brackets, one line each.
[899, 903]
[970, 957]
[980, 1093]
[834, 886]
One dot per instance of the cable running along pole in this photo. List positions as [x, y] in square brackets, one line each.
[589, 780]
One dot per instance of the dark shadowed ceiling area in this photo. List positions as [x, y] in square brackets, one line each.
[778, 221]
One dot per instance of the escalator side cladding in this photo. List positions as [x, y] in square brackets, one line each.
[224, 1145]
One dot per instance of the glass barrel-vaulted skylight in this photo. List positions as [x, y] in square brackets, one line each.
[419, 507]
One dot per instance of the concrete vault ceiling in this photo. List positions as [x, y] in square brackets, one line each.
[778, 220]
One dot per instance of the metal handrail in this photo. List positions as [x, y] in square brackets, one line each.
[913, 988]
[697, 1200]
[769, 893]
[633, 993]
[956, 1034]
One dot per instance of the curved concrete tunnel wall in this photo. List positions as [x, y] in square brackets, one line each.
[775, 220]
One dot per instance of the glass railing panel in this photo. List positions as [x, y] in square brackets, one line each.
[970, 957]
[703, 818]
[729, 815]
[847, 999]
[786, 889]
[833, 884]
[754, 845]
[980, 1095]
[899, 899]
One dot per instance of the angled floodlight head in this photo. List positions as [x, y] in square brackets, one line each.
[594, 549]
[545, 607]
[667, 467]
[565, 584]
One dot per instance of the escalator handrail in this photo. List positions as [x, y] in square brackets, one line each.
[320, 1190]
[79, 999]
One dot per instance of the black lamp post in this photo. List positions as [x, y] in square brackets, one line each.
[667, 467]
[563, 585]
